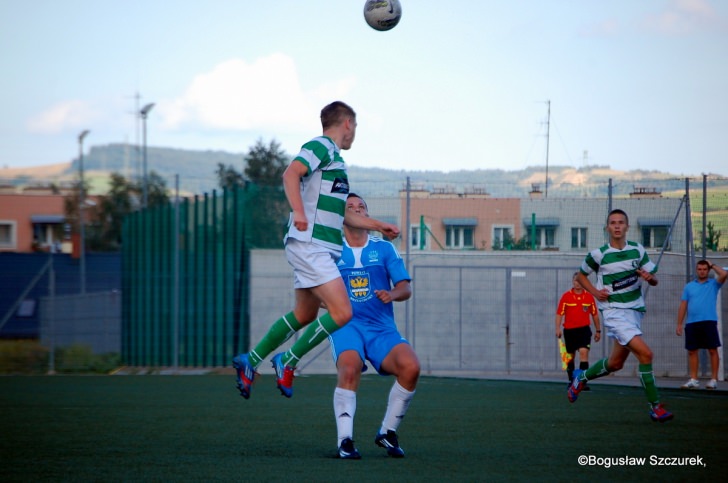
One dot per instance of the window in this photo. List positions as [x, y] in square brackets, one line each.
[502, 237]
[459, 237]
[654, 236]
[7, 234]
[541, 231]
[415, 241]
[578, 238]
[545, 237]
[26, 308]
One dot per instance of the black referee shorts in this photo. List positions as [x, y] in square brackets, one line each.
[575, 339]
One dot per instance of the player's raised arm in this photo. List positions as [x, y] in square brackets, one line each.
[356, 220]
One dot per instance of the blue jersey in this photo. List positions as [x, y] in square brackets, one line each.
[376, 266]
[701, 299]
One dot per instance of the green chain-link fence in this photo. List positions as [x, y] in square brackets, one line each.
[184, 275]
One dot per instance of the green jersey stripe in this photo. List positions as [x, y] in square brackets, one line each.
[328, 234]
[616, 271]
[323, 191]
[626, 297]
[329, 203]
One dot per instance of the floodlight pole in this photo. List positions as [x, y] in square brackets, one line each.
[81, 221]
[143, 113]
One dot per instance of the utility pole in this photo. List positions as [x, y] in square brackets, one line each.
[143, 113]
[81, 221]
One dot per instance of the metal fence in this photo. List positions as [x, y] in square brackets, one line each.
[185, 277]
[193, 298]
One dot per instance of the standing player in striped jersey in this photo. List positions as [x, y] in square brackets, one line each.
[620, 266]
[316, 186]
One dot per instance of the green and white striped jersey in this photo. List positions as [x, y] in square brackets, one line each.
[323, 190]
[617, 271]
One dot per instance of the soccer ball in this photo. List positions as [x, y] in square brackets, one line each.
[382, 15]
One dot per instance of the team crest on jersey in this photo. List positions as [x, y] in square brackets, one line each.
[359, 286]
[340, 185]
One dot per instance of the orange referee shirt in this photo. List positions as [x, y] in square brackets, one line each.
[576, 309]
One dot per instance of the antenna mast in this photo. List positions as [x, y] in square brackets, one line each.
[548, 126]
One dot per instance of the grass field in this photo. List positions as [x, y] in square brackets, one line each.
[196, 428]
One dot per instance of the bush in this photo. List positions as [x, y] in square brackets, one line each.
[23, 357]
[28, 357]
[80, 359]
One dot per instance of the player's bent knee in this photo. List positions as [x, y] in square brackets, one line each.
[411, 368]
[341, 316]
[349, 372]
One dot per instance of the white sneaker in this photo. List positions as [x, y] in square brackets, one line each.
[713, 384]
[692, 384]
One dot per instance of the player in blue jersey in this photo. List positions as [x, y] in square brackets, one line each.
[316, 186]
[375, 276]
[698, 302]
[621, 265]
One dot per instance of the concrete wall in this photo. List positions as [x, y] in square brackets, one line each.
[475, 313]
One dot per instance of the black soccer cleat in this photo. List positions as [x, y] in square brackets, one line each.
[390, 442]
[347, 451]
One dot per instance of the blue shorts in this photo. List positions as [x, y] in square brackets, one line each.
[702, 335]
[373, 343]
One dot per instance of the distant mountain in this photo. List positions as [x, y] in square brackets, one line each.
[196, 170]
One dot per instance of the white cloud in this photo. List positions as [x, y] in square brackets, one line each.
[237, 95]
[686, 16]
[66, 115]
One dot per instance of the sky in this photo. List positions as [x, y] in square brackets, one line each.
[462, 84]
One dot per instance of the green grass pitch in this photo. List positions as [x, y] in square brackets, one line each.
[197, 428]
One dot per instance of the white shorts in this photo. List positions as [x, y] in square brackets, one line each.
[622, 324]
[313, 265]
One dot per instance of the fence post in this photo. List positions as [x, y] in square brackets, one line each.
[52, 316]
[175, 277]
[705, 214]
[688, 251]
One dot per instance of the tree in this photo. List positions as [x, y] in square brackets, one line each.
[71, 205]
[265, 164]
[267, 208]
[712, 239]
[228, 178]
[509, 243]
[156, 190]
[104, 220]
[121, 199]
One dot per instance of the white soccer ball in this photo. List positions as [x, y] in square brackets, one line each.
[382, 15]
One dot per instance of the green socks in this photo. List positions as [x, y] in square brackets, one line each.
[315, 333]
[599, 369]
[647, 377]
[281, 330]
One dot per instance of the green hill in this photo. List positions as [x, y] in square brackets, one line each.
[196, 170]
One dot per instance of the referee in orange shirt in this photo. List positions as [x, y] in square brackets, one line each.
[575, 308]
